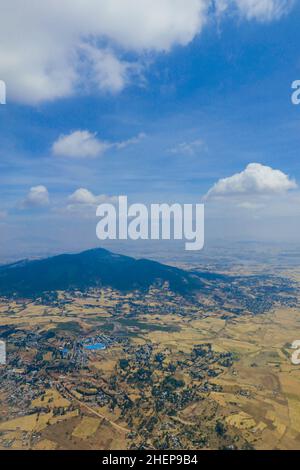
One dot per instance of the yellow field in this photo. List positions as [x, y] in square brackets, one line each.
[268, 410]
[258, 397]
[86, 428]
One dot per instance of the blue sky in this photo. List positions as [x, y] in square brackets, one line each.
[165, 121]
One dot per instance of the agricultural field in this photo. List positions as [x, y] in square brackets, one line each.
[108, 370]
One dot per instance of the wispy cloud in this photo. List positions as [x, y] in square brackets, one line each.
[188, 148]
[261, 10]
[132, 141]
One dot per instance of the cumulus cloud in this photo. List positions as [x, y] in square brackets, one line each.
[83, 202]
[79, 144]
[84, 144]
[67, 44]
[256, 179]
[59, 39]
[83, 196]
[38, 196]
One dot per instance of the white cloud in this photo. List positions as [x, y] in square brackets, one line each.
[83, 202]
[132, 141]
[69, 44]
[60, 37]
[188, 148]
[38, 196]
[79, 144]
[259, 10]
[109, 74]
[83, 196]
[264, 10]
[250, 205]
[84, 144]
[256, 179]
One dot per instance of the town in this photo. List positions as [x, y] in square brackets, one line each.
[137, 364]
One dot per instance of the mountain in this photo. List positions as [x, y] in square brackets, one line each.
[91, 268]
